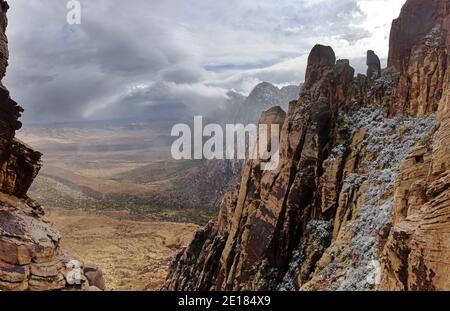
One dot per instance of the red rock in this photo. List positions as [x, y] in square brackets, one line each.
[419, 52]
[15, 254]
[320, 59]
[13, 274]
[416, 20]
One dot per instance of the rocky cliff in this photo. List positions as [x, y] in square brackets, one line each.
[30, 257]
[360, 200]
[416, 255]
[417, 50]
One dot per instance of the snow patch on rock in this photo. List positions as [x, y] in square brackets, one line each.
[388, 142]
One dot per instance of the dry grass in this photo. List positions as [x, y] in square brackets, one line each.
[134, 255]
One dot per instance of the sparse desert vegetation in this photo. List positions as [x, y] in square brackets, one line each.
[122, 167]
[134, 255]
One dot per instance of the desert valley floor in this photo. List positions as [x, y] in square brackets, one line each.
[134, 255]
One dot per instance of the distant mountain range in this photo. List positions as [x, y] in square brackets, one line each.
[130, 165]
[248, 109]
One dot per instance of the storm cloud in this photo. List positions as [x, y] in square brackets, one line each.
[139, 57]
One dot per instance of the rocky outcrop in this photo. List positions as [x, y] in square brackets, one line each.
[418, 51]
[30, 256]
[417, 251]
[362, 185]
[95, 277]
[9, 110]
[373, 65]
[20, 165]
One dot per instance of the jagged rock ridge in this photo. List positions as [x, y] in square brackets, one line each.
[247, 109]
[362, 186]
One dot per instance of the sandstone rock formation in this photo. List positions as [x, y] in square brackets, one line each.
[30, 257]
[417, 251]
[360, 199]
[418, 50]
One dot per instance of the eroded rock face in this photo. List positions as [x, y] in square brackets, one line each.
[30, 257]
[418, 51]
[20, 165]
[362, 185]
[417, 252]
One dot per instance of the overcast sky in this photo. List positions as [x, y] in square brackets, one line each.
[129, 56]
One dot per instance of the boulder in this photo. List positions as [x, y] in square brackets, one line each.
[95, 276]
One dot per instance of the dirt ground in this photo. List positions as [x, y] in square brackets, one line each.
[134, 255]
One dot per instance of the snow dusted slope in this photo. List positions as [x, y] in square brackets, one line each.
[353, 262]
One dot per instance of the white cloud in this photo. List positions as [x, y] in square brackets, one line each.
[193, 50]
